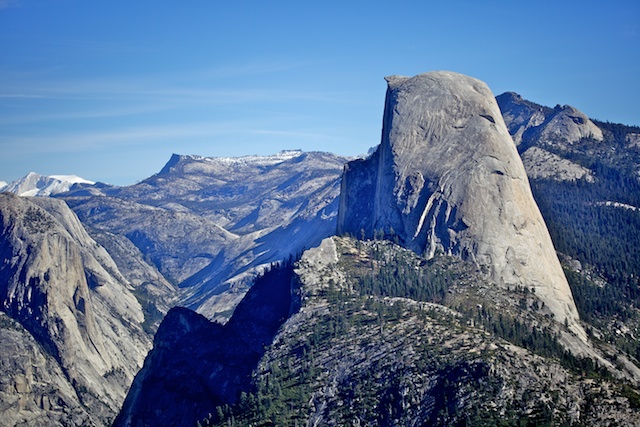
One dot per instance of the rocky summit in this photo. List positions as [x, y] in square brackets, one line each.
[448, 179]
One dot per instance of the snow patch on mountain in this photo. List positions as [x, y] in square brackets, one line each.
[34, 184]
[618, 205]
[252, 160]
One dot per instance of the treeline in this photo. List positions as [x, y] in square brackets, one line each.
[599, 305]
[595, 301]
[616, 133]
[396, 276]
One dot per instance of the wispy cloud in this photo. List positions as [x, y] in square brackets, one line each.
[253, 68]
[88, 114]
[69, 142]
[148, 88]
[68, 100]
[6, 4]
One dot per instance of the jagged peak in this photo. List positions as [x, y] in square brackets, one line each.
[507, 99]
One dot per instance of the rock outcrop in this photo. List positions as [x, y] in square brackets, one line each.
[447, 178]
[65, 292]
[542, 164]
[521, 115]
[569, 125]
[532, 123]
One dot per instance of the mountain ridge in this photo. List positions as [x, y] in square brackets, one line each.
[230, 218]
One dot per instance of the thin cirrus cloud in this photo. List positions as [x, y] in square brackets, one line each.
[76, 142]
[112, 98]
[5, 4]
[44, 116]
[110, 90]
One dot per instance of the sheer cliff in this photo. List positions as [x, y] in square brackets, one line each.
[447, 178]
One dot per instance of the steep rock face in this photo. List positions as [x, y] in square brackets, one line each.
[34, 390]
[447, 178]
[68, 294]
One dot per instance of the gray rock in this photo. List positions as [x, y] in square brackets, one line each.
[66, 291]
[519, 115]
[447, 178]
[568, 125]
[530, 123]
[34, 390]
[541, 164]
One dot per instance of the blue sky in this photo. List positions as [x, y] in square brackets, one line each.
[109, 90]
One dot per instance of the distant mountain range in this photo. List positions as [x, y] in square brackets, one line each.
[480, 321]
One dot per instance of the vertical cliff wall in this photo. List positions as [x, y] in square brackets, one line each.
[447, 178]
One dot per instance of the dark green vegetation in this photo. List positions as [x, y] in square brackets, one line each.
[152, 316]
[599, 235]
[598, 224]
[580, 222]
[360, 349]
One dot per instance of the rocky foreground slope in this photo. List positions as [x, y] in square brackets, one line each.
[447, 178]
[438, 344]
